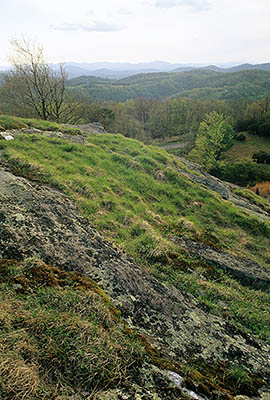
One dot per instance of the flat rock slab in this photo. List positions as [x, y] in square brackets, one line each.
[36, 220]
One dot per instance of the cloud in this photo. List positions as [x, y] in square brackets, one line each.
[98, 26]
[196, 5]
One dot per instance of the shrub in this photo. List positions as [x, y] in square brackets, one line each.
[261, 157]
[243, 125]
[243, 174]
[240, 138]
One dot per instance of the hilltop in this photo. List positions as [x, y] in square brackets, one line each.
[179, 253]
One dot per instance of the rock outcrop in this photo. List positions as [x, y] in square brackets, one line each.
[91, 128]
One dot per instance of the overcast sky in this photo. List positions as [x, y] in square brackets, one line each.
[182, 31]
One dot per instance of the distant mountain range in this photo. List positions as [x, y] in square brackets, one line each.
[112, 70]
[117, 70]
[123, 70]
[242, 67]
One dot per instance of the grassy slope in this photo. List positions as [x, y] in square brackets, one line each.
[134, 195]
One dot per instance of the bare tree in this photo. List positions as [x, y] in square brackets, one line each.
[32, 86]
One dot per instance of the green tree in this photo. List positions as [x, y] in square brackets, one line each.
[215, 136]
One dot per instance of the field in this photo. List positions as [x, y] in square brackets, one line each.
[242, 151]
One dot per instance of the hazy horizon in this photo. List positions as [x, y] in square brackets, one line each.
[199, 65]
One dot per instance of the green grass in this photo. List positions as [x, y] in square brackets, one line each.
[242, 151]
[59, 334]
[8, 122]
[136, 196]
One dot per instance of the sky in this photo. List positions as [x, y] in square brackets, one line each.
[178, 31]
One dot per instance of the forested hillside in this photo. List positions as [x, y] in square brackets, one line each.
[249, 85]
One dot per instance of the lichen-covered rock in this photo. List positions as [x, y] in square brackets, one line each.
[247, 271]
[92, 127]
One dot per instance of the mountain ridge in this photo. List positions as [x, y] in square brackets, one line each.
[113, 70]
[118, 70]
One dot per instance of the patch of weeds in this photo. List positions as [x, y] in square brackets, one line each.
[28, 170]
[240, 378]
[252, 224]
[50, 126]
[70, 147]
[137, 230]
[151, 248]
[210, 238]
[148, 163]
[232, 379]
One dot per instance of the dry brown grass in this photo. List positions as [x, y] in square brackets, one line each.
[262, 188]
[18, 380]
